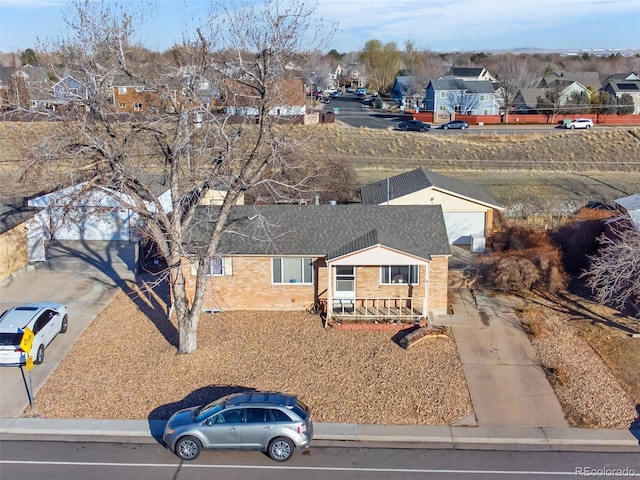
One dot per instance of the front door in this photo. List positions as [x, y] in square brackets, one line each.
[345, 282]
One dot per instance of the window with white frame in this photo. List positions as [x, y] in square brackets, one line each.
[216, 266]
[122, 105]
[137, 106]
[292, 270]
[443, 94]
[408, 274]
[122, 90]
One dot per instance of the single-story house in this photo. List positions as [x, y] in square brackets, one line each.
[365, 262]
[468, 209]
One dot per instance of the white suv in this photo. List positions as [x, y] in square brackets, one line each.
[44, 319]
[579, 123]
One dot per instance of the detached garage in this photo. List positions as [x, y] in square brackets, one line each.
[80, 213]
[468, 209]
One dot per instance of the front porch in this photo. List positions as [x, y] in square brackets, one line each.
[391, 309]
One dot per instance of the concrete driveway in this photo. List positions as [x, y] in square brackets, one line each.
[85, 276]
[506, 382]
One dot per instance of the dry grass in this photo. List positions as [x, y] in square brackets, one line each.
[125, 366]
[589, 360]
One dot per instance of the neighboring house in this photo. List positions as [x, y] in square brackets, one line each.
[630, 206]
[82, 213]
[471, 73]
[405, 89]
[353, 75]
[589, 80]
[526, 100]
[448, 96]
[468, 209]
[130, 96]
[38, 84]
[363, 261]
[287, 99]
[617, 88]
[14, 254]
[69, 89]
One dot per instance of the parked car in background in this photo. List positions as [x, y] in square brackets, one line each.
[414, 126]
[579, 123]
[44, 319]
[459, 124]
[272, 422]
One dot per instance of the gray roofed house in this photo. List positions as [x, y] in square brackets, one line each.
[448, 96]
[468, 209]
[586, 79]
[366, 261]
[471, 73]
[618, 87]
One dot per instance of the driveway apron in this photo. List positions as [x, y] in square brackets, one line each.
[85, 276]
[506, 382]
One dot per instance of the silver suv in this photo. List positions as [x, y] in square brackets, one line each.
[270, 422]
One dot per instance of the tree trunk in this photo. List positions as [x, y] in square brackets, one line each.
[187, 317]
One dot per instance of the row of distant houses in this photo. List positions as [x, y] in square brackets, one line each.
[474, 91]
[464, 90]
[137, 96]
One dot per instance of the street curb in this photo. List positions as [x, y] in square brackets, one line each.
[404, 436]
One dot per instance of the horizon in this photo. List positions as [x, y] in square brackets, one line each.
[594, 26]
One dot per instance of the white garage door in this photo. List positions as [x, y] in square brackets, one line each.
[460, 226]
[91, 223]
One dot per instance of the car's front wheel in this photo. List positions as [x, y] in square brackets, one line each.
[280, 449]
[572, 127]
[446, 127]
[39, 355]
[188, 448]
[463, 127]
[588, 127]
[65, 324]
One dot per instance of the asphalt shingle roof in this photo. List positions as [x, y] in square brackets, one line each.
[419, 179]
[326, 230]
[473, 86]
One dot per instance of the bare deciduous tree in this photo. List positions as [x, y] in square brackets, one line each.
[614, 272]
[208, 117]
[461, 100]
[514, 72]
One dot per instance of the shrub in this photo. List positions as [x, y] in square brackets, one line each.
[529, 262]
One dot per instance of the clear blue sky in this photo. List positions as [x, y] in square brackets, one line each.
[437, 25]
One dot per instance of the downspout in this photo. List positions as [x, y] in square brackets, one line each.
[425, 301]
[329, 294]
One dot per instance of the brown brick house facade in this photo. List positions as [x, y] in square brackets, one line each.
[353, 237]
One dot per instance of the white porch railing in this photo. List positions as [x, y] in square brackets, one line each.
[378, 308]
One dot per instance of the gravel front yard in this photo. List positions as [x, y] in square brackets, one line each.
[124, 366]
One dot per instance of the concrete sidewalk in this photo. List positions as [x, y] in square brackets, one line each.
[341, 434]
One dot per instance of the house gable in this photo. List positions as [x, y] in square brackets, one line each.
[416, 186]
